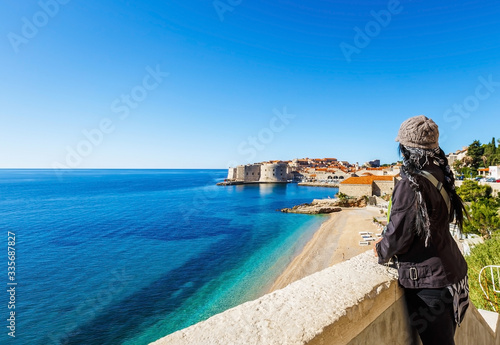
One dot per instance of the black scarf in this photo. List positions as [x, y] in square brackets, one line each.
[414, 160]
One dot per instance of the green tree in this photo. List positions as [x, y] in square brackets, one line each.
[482, 208]
[489, 153]
[475, 152]
[495, 159]
[483, 217]
[471, 191]
[458, 166]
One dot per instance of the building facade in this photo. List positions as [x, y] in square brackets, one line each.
[494, 171]
[368, 185]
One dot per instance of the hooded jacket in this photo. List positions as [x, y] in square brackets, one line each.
[438, 265]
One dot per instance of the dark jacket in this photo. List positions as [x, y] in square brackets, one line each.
[436, 266]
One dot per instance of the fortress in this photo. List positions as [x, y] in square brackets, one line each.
[371, 179]
[296, 170]
[261, 172]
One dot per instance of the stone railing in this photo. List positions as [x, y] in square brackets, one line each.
[354, 302]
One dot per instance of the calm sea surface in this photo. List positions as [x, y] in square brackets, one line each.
[129, 256]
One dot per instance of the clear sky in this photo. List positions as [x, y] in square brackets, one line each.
[211, 84]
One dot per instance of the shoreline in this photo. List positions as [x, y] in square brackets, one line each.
[336, 240]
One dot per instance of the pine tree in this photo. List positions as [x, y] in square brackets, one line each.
[475, 152]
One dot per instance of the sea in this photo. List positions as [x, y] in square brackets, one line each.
[130, 256]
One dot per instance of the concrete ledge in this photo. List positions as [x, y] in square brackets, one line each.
[490, 317]
[356, 302]
[475, 330]
[339, 302]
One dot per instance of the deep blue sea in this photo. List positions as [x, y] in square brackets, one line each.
[129, 256]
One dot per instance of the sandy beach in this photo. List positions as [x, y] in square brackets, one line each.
[336, 240]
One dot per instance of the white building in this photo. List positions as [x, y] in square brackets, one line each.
[456, 156]
[494, 171]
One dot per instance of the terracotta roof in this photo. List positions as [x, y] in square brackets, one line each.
[366, 179]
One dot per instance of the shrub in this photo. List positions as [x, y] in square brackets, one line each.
[487, 253]
[471, 191]
[483, 218]
[342, 196]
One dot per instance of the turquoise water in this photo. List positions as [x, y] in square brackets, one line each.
[129, 256]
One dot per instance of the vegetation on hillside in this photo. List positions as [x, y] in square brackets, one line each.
[483, 219]
[487, 253]
[482, 208]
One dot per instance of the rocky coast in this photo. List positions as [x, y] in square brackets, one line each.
[325, 206]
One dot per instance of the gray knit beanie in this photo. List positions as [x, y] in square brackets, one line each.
[419, 131]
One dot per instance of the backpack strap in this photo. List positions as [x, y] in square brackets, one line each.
[439, 187]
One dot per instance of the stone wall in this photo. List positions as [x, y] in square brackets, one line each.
[383, 187]
[252, 173]
[337, 175]
[356, 189]
[356, 302]
[496, 188]
[231, 173]
[240, 172]
[246, 173]
[270, 172]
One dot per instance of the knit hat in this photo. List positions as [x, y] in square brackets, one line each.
[419, 131]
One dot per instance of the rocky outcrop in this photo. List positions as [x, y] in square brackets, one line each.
[311, 209]
[325, 206]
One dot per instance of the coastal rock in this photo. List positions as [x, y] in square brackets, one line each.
[306, 209]
[325, 206]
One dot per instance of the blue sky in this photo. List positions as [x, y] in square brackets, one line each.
[209, 84]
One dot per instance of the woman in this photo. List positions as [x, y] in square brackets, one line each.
[431, 268]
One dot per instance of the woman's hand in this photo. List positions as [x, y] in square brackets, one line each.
[375, 246]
